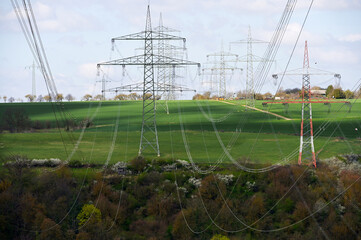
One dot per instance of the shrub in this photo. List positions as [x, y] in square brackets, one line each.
[15, 120]
[138, 163]
[75, 164]
[48, 124]
[89, 213]
[219, 237]
[38, 124]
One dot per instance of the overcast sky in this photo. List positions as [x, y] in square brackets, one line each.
[76, 36]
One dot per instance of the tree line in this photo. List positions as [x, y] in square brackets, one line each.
[331, 92]
[289, 93]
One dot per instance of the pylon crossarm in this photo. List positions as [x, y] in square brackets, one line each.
[156, 35]
[252, 58]
[309, 71]
[157, 60]
[206, 70]
[223, 54]
[242, 41]
[165, 29]
[138, 87]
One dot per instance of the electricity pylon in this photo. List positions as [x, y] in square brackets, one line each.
[149, 134]
[103, 82]
[307, 148]
[218, 70]
[33, 85]
[165, 74]
[250, 58]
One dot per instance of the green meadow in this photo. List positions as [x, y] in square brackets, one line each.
[205, 128]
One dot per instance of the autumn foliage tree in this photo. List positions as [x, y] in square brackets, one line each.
[47, 98]
[89, 213]
[87, 97]
[30, 97]
[59, 97]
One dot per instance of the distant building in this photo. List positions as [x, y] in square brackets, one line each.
[321, 92]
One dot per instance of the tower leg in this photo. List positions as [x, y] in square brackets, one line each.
[149, 134]
[312, 145]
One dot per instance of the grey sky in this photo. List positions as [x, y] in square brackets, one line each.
[77, 35]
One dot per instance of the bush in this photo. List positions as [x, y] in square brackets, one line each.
[89, 213]
[15, 120]
[219, 237]
[38, 124]
[70, 124]
[138, 163]
[48, 124]
[75, 164]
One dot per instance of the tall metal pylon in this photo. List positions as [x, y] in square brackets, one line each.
[218, 70]
[103, 82]
[162, 70]
[33, 67]
[306, 135]
[250, 59]
[149, 134]
[307, 148]
[166, 74]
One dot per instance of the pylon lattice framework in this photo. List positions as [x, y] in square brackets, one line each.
[250, 59]
[33, 67]
[307, 148]
[166, 75]
[218, 71]
[149, 134]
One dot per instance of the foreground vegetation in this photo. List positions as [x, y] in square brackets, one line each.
[166, 200]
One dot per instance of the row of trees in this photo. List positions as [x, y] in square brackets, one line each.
[47, 98]
[290, 93]
[331, 92]
[339, 93]
[60, 97]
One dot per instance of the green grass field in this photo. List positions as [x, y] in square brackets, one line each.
[259, 136]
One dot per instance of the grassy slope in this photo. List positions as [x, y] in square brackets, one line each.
[263, 136]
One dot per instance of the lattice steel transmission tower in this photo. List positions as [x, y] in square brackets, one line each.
[166, 74]
[307, 148]
[306, 135]
[218, 70]
[103, 82]
[33, 67]
[250, 58]
[149, 134]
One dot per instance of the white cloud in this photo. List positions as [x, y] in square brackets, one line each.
[337, 55]
[58, 18]
[351, 38]
[333, 4]
[43, 11]
[293, 31]
[87, 70]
